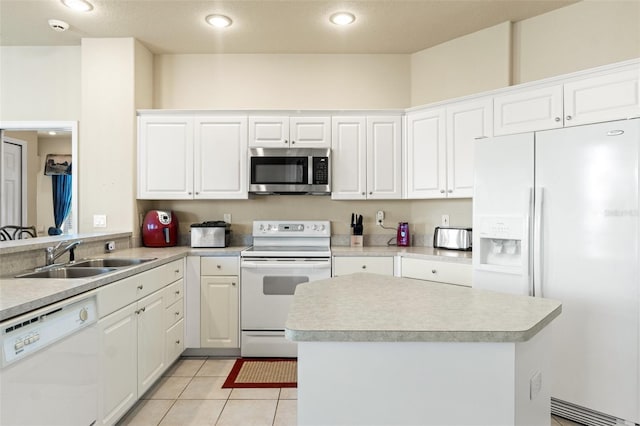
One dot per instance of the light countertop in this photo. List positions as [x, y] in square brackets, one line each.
[21, 295]
[429, 253]
[369, 307]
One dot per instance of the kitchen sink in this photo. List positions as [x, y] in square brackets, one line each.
[107, 263]
[66, 272]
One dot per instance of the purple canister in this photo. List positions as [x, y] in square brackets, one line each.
[402, 238]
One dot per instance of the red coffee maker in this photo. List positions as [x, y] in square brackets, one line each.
[160, 229]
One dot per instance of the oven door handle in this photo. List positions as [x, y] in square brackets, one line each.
[307, 264]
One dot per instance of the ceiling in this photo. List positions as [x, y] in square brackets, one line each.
[264, 26]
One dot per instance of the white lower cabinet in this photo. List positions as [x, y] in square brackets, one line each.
[219, 302]
[134, 330]
[441, 272]
[373, 264]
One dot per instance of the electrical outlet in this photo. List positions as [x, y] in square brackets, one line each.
[110, 246]
[445, 220]
[227, 217]
[380, 217]
[99, 220]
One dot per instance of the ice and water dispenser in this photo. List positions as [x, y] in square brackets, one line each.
[502, 245]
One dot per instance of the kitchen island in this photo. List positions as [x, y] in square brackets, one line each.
[376, 350]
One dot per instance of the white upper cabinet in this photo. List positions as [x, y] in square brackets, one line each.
[607, 96]
[349, 158]
[220, 149]
[366, 158]
[426, 154]
[603, 98]
[528, 110]
[466, 122]
[384, 157]
[165, 157]
[289, 132]
[185, 157]
[440, 143]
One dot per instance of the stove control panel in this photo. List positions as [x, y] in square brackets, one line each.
[302, 228]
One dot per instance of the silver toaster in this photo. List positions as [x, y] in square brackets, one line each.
[210, 234]
[452, 238]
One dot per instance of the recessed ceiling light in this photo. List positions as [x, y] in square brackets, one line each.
[52, 133]
[79, 5]
[342, 18]
[218, 21]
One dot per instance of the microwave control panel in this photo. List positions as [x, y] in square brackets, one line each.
[320, 170]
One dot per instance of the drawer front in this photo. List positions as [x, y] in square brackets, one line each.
[173, 292]
[117, 295]
[222, 265]
[374, 264]
[174, 313]
[174, 342]
[431, 270]
[160, 277]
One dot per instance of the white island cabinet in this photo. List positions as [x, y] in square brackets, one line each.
[383, 350]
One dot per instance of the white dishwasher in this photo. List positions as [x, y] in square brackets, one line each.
[49, 365]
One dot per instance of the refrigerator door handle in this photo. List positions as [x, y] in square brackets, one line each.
[537, 242]
[529, 238]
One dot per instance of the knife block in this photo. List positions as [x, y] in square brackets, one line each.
[356, 241]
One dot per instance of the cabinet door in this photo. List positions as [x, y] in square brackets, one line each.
[151, 333]
[373, 264]
[174, 341]
[528, 110]
[384, 158]
[118, 364]
[466, 122]
[348, 158]
[602, 98]
[426, 158]
[310, 132]
[219, 312]
[269, 132]
[220, 152]
[165, 157]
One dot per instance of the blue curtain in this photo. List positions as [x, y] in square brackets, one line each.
[61, 201]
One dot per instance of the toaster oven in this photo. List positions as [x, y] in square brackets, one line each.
[452, 238]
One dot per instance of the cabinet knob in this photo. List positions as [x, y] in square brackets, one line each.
[140, 287]
[178, 342]
[363, 193]
[370, 192]
[218, 266]
[292, 142]
[177, 271]
[557, 119]
[364, 266]
[433, 271]
[286, 141]
[442, 191]
[177, 313]
[450, 191]
[233, 284]
[569, 117]
[197, 193]
[190, 193]
[177, 291]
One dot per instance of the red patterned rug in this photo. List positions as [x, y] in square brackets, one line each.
[263, 373]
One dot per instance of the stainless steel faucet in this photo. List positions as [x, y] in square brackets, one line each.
[55, 252]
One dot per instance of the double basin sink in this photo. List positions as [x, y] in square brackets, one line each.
[84, 268]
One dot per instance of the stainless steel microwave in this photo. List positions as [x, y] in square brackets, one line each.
[290, 171]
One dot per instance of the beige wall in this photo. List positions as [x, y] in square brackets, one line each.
[40, 83]
[281, 81]
[423, 215]
[580, 36]
[107, 160]
[471, 64]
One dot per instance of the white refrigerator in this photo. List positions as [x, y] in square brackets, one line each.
[555, 215]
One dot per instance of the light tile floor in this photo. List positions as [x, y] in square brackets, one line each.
[190, 394]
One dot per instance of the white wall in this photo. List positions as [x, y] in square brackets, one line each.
[40, 83]
[282, 81]
[471, 64]
[583, 35]
[107, 163]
